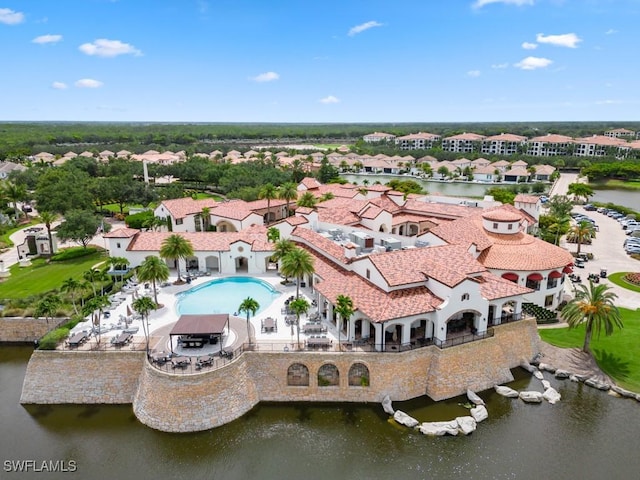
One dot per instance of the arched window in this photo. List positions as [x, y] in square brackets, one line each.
[328, 376]
[358, 375]
[298, 375]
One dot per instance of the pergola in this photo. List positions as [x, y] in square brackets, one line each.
[206, 326]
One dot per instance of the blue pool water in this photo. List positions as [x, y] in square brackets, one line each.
[224, 295]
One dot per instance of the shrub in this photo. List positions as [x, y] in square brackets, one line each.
[139, 220]
[73, 252]
[51, 340]
[633, 278]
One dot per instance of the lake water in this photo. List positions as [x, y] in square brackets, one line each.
[453, 189]
[588, 435]
[626, 198]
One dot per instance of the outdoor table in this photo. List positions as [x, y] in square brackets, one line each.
[160, 357]
[180, 362]
[318, 342]
[269, 324]
[78, 339]
[204, 361]
[122, 339]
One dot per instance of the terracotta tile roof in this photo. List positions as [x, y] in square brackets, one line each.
[502, 215]
[296, 220]
[544, 169]
[202, 241]
[319, 243]
[338, 216]
[181, 207]
[378, 188]
[449, 264]
[484, 170]
[493, 287]
[500, 163]
[522, 198]
[412, 217]
[376, 304]
[523, 252]
[517, 172]
[520, 163]
[466, 136]
[262, 204]
[310, 183]
[505, 137]
[438, 209]
[552, 138]
[304, 210]
[233, 209]
[463, 232]
[369, 211]
[480, 161]
[121, 233]
[385, 203]
[603, 141]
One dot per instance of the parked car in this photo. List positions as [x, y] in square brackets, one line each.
[589, 208]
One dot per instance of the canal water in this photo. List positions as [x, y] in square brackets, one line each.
[588, 435]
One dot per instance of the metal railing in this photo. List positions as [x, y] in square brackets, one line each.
[462, 339]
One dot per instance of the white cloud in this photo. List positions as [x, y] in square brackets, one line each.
[500, 65]
[611, 31]
[329, 99]
[59, 85]
[42, 39]
[362, 27]
[608, 102]
[9, 17]
[473, 73]
[265, 77]
[88, 83]
[532, 63]
[569, 40]
[519, 3]
[103, 47]
[529, 45]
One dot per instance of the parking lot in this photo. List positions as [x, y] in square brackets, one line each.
[608, 252]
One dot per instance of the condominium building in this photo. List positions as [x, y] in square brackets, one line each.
[378, 137]
[599, 146]
[620, 133]
[463, 143]
[417, 141]
[550, 145]
[503, 144]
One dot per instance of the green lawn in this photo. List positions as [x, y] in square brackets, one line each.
[42, 277]
[617, 355]
[618, 280]
[618, 184]
[4, 238]
[201, 195]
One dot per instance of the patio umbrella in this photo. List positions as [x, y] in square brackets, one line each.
[129, 312]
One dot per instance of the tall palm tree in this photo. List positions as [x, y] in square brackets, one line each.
[143, 306]
[269, 192]
[92, 275]
[47, 307]
[299, 306]
[288, 191]
[307, 200]
[206, 218]
[48, 218]
[593, 305]
[297, 263]
[250, 306]
[281, 248]
[153, 270]
[584, 230]
[176, 248]
[71, 286]
[96, 304]
[344, 309]
[15, 193]
[118, 264]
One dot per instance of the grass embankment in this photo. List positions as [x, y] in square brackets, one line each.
[618, 279]
[42, 277]
[612, 183]
[5, 241]
[616, 355]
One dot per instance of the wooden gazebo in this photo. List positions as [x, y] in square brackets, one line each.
[205, 328]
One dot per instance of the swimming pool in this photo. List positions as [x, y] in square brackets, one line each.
[224, 295]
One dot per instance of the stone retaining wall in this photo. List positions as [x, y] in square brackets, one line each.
[26, 330]
[82, 377]
[191, 402]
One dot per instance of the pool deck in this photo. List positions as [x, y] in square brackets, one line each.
[162, 320]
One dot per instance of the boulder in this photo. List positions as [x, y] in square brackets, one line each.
[547, 368]
[551, 395]
[439, 428]
[595, 383]
[538, 375]
[404, 419]
[531, 397]
[546, 384]
[638, 397]
[474, 398]
[562, 374]
[528, 367]
[622, 392]
[479, 413]
[386, 405]
[466, 425]
[506, 391]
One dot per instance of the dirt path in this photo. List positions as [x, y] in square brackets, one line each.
[573, 360]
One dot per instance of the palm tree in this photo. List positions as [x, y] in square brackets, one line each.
[269, 192]
[584, 230]
[15, 193]
[594, 306]
[48, 218]
[344, 309]
[307, 200]
[206, 218]
[153, 270]
[288, 191]
[120, 262]
[250, 306]
[580, 190]
[327, 196]
[176, 248]
[91, 276]
[299, 306]
[273, 234]
[297, 263]
[47, 307]
[71, 286]
[97, 303]
[143, 306]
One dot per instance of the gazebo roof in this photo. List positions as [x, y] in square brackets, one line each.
[206, 324]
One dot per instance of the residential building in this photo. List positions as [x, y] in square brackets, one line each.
[463, 143]
[600, 145]
[622, 133]
[550, 145]
[417, 141]
[378, 137]
[503, 144]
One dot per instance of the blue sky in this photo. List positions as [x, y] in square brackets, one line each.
[320, 61]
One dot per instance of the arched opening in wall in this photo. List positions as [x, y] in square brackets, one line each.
[224, 226]
[298, 375]
[192, 264]
[421, 331]
[242, 264]
[413, 229]
[393, 337]
[359, 375]
[328, 375]
[212, 263]
[508, 312]
[383, 228]
[462, 323]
